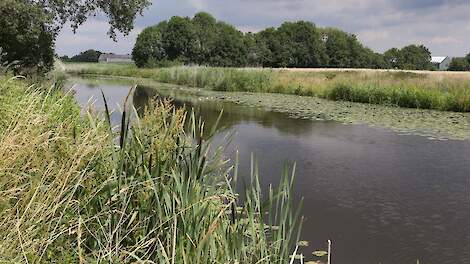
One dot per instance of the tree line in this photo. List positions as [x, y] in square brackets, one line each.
[90, 55]
[460, 63]
[202, 40]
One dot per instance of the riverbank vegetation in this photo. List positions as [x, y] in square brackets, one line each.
[202, 40]
[74, 190]
[427, 90]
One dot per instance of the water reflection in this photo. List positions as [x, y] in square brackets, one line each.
[381, 197]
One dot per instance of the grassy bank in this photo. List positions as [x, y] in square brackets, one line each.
[72, 190]
[427, 90]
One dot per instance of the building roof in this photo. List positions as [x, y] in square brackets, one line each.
[115, 56]
[438, 59]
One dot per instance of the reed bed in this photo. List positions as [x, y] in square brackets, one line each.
[424, 90]
[73, 189]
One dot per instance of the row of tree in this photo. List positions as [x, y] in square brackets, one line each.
[460, 64]
[203, 40]
[90, 55]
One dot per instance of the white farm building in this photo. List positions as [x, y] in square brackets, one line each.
[441, 62]
[114, 58]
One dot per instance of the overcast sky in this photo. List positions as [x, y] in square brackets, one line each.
[442, 25]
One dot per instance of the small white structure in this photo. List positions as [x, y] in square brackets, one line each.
[114, 58]
[441, 62]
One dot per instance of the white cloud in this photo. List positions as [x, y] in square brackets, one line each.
[93, 35]
[442, 25]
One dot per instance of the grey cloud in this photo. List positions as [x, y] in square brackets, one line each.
[442, 25]
[425, 4]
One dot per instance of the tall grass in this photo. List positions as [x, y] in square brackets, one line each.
[75, 190]
[424, 90]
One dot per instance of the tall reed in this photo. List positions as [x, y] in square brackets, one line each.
[424, 90]
[73, 189]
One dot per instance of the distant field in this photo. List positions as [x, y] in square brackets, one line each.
[447, 91]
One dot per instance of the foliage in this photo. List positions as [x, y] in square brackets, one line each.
[28, 28]
[229, 48]
[412, 57]
[178, 38]
[300, 46]
[416, 57]
[26, 37]
[87, 56]
[75, 191]
[429, 90]
[65, 58]
[149, 46]
[203, 40]
[121, 14]
[393, 57]
[460, 64]
[338, 48]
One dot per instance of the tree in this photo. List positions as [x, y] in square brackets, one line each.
[178, 38]
[416, 57]
[87, 56]
[29, 28]
[337, 48]
[230, 49]
[65, 58]
[205, 35]
[149, 47]
[393, 57]
[301, 46]
[377, 60]
[460, 64]
[254, 50]
[411, 57]
[203, 40]
[25, 36]
[269, 46]
[120, 13]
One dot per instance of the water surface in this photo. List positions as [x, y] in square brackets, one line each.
[380, 196]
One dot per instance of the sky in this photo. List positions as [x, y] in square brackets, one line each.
[441, 25]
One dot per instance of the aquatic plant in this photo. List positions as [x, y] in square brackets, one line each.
[75, 189]
[412, 89]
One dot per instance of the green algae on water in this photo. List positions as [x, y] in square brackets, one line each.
[433, 124]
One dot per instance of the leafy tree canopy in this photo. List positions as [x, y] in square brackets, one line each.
[120, 13]
[25, 36]
[90, 55]
[411, 57]
[203, 40]
[28, 28]
[149, 47]
[416, 57]
[459, 64]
